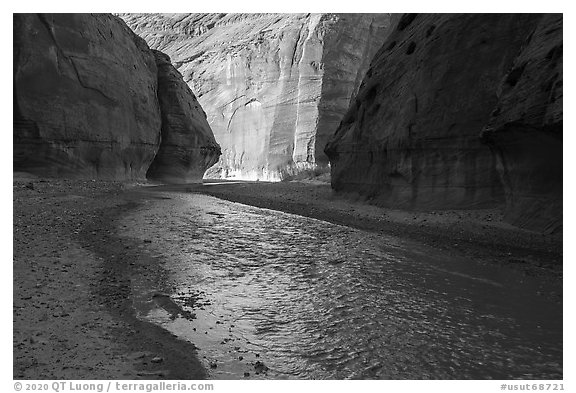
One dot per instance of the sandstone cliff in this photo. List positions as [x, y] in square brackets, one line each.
[84, 97]
[525, 131]
[86, 103]
[411, 138]
[188, 147]
[274, 86]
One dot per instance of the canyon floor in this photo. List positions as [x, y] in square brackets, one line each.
[73, 314]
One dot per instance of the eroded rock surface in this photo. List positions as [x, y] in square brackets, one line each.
[525, 132]
[90, 101]
[84, 97]
[188, 147]
[274, 86]
[411, 138]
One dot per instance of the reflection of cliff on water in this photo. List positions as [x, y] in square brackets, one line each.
[310, 299]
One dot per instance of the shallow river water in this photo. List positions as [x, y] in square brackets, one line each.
[277, 296]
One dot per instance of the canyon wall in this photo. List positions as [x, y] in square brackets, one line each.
[525, 131]
[188, 147]
[85, 98]
[274, 86]
[412, 137]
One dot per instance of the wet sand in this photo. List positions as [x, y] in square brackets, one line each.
[72, 307]
[73, 314]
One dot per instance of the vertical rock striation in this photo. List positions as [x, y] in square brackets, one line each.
[84, 97]
[411, 137]
[188, 147]
[525, 131]
[90, 101]
[274, 86]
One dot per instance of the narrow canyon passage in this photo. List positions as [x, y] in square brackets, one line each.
[266, 294]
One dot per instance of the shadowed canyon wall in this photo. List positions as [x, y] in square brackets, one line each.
[525, 131]
[85, 98]
[411, 138]
[188, 147]
[274, 86]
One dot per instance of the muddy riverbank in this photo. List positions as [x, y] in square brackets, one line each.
[72, 307]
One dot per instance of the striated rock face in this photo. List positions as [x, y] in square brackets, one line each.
[274, 86]
[525, 131]
[84, 97]
[411, 138]
[188, 147]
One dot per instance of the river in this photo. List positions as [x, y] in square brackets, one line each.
[266, 294]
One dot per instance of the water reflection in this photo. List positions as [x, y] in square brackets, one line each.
[310, 299]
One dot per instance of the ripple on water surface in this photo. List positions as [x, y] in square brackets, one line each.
[282, 296]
